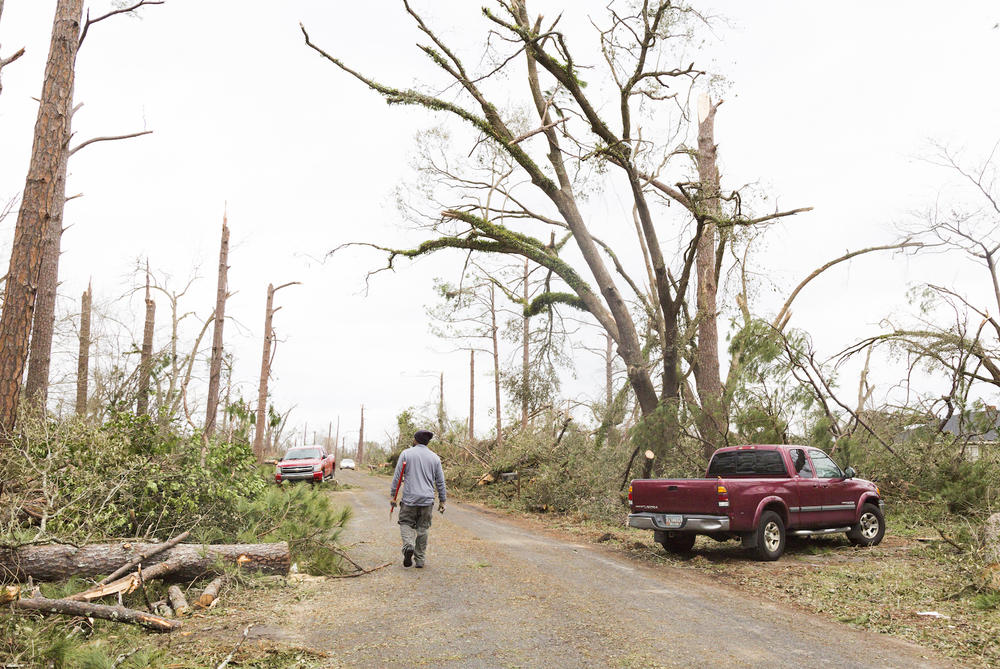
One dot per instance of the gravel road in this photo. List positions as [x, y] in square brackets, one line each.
[500, 592]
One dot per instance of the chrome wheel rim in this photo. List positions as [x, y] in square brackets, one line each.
[869, 525]
[772, 536]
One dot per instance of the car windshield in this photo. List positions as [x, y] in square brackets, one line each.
[301, 454]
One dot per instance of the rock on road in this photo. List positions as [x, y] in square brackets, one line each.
[498, 593]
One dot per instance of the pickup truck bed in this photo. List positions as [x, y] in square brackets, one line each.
[756, 494]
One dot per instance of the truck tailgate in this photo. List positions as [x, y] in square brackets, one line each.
[675, 496]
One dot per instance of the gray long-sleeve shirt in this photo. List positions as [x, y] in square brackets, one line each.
[423, 474]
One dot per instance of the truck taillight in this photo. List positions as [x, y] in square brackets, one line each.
[722, 494]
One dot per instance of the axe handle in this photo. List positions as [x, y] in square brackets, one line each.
[399, 484]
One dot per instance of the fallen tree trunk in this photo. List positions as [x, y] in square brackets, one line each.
[118, 614]
[129, 583]
[57, 562]
[144, 557]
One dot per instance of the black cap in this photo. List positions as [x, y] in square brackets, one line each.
[423, 437]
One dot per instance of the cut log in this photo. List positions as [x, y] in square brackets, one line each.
[9, 593]
[143, 557]
[57, 562]
[118, 614]
[211, 593]
[177, 601]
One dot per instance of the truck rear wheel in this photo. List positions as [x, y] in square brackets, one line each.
[677, 543]
[770, 537]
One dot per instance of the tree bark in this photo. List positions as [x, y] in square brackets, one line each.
[265, 372]
[178, 602]
[146, 356]
[118, 614]
[36, 384]
[472, 395]
[215, 367]
[144, 556]
[525, 368]
[56, 562]
[713, 423]
[37, 206]
[496, 364]
[265, 369]
[211, 593]
[83, 359]
[608, 376]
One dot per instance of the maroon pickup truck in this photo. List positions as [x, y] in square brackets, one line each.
[757, 494]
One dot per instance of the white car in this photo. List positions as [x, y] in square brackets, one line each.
[347, 463]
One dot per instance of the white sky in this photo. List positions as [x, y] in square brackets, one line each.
[829, 106]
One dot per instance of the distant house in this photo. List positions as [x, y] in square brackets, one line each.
[979, 429]
[975, 430]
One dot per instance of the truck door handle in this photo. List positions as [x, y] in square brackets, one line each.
[671, 487]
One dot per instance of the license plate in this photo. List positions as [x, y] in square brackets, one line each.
[672, 521]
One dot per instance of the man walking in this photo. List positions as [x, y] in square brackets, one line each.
[423, 475]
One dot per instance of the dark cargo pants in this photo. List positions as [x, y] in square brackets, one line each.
[414, 521]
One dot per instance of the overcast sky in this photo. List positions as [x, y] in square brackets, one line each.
[829, 106]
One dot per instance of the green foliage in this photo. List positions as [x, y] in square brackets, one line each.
[131, 478]
[987, 601]
[304, 516]
[128, 478]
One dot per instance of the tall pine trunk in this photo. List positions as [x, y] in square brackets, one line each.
[37, 206]
[146, 356]
[525, 368]
[496, 364]
[712, 423]
[265, 372]
[472, 395]
[36, 384]
[215, 367]
[83, 359]
[361, 438]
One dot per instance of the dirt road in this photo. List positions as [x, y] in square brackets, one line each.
[497, 592]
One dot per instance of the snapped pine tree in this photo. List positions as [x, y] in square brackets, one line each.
[146, 356]
[83, 359]
[215, 367]
[265, 369]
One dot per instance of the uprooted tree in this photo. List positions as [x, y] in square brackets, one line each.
[572, 147]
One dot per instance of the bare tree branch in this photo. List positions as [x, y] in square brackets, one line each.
[781, 319]
[112, 138]
[114, 12]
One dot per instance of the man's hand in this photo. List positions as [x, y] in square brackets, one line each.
[441, 507]
[392, 503]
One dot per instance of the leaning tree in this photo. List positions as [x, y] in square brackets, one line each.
[615, 119]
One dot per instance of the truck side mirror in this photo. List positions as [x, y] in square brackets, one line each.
[849, 473]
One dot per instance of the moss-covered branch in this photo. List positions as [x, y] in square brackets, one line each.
[545, 301]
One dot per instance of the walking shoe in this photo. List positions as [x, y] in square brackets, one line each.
[407, 556]
[419, 565]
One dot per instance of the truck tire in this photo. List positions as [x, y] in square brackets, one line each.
[677, 543]
[770, 536]
[870, 528]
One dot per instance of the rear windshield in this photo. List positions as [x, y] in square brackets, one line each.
[747, 463]
[302, 454]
